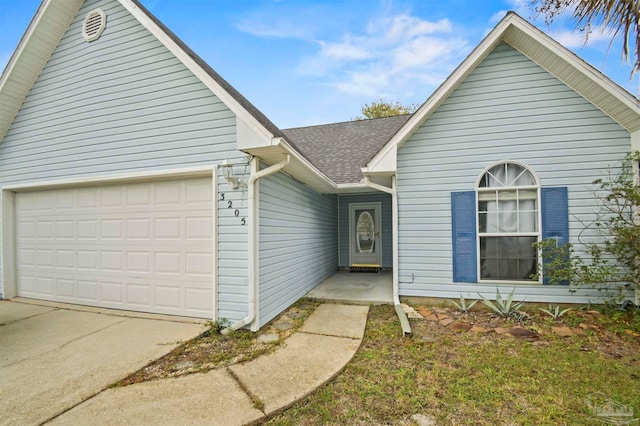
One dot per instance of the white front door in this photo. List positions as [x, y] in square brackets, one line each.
[364, 234]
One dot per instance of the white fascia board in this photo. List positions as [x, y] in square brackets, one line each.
[385, 164]
[635, 141]
[388, 151]
[575, 61]
[208, 81]
[351, 188]
[14, 93]
[248, 138]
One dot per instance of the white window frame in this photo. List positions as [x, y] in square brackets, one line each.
[537, 234]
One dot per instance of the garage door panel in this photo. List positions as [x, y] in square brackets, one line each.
[144, 246]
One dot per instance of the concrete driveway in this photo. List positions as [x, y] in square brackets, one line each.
[53, 357]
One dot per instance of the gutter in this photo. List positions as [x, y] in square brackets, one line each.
[253, 242]
[404, 322]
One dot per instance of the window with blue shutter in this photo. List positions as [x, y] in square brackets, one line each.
[463, 217]
[555, 216]
[495, 227]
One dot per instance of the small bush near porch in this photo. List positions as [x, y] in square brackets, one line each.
[482, 370]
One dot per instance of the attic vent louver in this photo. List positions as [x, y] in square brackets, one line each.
[94, 24]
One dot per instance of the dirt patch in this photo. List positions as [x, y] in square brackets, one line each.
[213, 350]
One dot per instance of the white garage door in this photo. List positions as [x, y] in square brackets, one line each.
[138, 246]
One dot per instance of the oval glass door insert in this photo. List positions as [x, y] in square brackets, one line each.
[365, 238]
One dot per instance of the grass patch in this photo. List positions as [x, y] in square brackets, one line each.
[479, 378]
[212, 350]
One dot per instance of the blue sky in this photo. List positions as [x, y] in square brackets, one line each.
[307, 62]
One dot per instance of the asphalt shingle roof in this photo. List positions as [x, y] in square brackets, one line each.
[340, 149]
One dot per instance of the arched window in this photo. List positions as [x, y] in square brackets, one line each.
[508, 222]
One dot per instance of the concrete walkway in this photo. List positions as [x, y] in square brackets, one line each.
[243, 393]
[52, 358]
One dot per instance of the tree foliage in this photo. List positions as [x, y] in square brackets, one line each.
[610, 262]
[381, 108]
[620, 16]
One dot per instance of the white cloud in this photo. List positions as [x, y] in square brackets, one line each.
[521, 7]
[346, 50]
[575, 38]
[405, 27]
[388, 58]
[280, 29]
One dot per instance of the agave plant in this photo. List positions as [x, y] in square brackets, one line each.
[462, 306]
[555, 312]
[502, 307]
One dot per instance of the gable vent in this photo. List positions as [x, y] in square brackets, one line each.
[94, 24]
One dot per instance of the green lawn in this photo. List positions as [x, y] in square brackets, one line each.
[480, 378]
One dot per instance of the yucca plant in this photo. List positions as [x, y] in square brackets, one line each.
[555, 312]
[462, 306]
[502, 307]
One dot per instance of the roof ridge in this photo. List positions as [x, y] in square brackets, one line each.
[365, 120]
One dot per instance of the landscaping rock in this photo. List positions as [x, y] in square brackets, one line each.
[283, 326]
[562, 331]
[478, 329]
[296, 315]
[445, 322]
[578, 331]
[424, 311]
[432, 317]
[588, 326]
[500, 330]
[522, 333]
[268, 338]
[461, 326]
[414, 315]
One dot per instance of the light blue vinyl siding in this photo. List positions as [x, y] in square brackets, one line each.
[387, 221]
[298, 242]
[123, 104]
[509, 108]
[233, 259]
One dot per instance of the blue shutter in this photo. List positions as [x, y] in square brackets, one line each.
[463, 229]
[555, 215]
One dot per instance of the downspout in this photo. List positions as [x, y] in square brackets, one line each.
[404, 322]
[252, 289]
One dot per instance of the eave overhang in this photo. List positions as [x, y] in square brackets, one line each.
[617, 103]
[42, 36]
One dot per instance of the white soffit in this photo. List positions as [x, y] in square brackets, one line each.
[299, 167]
[34, 50]
[590, 83]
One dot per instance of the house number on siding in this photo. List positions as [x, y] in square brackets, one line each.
[236, 212]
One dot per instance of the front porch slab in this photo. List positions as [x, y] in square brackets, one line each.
[356, 287]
